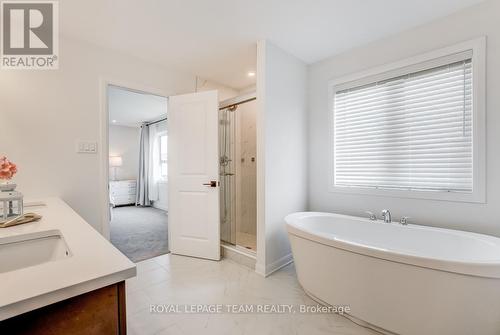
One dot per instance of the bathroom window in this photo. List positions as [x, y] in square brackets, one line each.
[414, 130]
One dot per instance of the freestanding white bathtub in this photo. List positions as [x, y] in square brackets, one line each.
[399, 279]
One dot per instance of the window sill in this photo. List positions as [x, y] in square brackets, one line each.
[474, 197]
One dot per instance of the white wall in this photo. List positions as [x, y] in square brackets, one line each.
[249, 89]
[223, 91]
[162, 202]
[124, 142]
[281, 151]
[476, 21]
[43, 113]
[129, 108]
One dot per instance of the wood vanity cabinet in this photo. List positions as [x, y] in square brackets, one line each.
[99, 312]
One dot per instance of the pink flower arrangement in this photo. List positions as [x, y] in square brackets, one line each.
[7, 168]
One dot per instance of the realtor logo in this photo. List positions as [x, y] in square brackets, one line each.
[29, 35]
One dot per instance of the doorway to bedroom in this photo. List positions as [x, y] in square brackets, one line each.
[138, 170]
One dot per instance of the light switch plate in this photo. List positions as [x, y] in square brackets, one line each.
[86, 147]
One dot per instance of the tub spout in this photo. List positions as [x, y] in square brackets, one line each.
[386, 216]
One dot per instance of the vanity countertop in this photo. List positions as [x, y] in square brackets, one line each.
[94, 263]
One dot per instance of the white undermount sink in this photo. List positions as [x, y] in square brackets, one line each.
[21, 251]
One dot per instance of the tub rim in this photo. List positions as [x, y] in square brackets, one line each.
[486, 269]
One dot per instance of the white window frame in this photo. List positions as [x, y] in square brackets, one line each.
[478, 194]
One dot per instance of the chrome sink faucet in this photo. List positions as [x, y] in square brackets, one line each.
[386, 216]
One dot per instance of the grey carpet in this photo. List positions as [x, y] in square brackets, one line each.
[139, 232]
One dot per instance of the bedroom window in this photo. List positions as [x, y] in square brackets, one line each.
[163, 157]
[415, 131]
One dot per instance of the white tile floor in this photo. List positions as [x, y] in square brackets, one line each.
[171, 279]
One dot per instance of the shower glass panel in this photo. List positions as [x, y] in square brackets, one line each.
[226, 171]
[246, 175]
[238, 185]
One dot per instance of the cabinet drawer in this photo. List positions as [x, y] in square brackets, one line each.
[122, 187]
[122, 184]
[123, 192]
[124, 200]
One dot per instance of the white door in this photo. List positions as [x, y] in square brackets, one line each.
[193, 175]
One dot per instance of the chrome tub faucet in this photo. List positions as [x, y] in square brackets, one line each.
[386, 216]
[371, 216]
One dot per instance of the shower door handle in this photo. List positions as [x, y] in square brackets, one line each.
[212, 183]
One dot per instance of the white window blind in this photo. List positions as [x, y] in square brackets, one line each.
[411, 131]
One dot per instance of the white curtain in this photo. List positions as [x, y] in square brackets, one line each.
[154, 161]
[142, 196]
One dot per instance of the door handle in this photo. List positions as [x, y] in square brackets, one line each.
[212, 183]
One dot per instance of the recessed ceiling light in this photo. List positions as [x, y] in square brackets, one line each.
[251, 73]
[114, 121]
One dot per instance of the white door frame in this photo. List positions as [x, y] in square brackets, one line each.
[103, 144]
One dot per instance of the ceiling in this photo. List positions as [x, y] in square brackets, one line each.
[131, 109]
[216, 39]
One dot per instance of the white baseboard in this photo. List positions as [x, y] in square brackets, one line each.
[266, 270]
[260, 269]
[160, 206]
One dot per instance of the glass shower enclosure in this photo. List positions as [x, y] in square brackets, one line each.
[237, 169]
